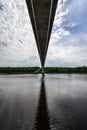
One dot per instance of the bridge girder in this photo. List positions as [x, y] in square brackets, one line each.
[42, 14]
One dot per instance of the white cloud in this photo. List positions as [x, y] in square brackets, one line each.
[16, 31]
[68, 54]
[60, 33]
[60, 13]
[68, 45]
[71, 24]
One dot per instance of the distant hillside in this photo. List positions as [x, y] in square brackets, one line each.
[35, 70]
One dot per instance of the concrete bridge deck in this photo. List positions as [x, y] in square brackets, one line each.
[42, 14]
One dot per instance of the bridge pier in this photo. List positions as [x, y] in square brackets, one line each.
[43, 70]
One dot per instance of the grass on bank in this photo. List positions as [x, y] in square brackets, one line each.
[31, 70]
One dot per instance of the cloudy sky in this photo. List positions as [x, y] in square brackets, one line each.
[68, 43]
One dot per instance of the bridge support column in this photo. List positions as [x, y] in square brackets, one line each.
[42, 70]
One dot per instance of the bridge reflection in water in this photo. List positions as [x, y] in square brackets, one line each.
[20, 108]
[42, 119]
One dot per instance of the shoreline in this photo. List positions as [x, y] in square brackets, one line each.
[48, 70]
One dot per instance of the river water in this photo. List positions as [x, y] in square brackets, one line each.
[52, 102]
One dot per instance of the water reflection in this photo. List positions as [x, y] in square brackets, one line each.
[67, 101]
[42, 119]
[18, 101]
[56, 102]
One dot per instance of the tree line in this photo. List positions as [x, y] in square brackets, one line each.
[31, 70]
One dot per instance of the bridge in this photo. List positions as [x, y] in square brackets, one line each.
[42, 14]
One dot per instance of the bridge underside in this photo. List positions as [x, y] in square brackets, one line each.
[42, 14]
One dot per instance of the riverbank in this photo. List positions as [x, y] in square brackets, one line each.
[36, 70]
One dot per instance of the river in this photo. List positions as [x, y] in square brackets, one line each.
[52, 102]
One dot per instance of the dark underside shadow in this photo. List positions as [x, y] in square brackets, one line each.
[42, 119]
